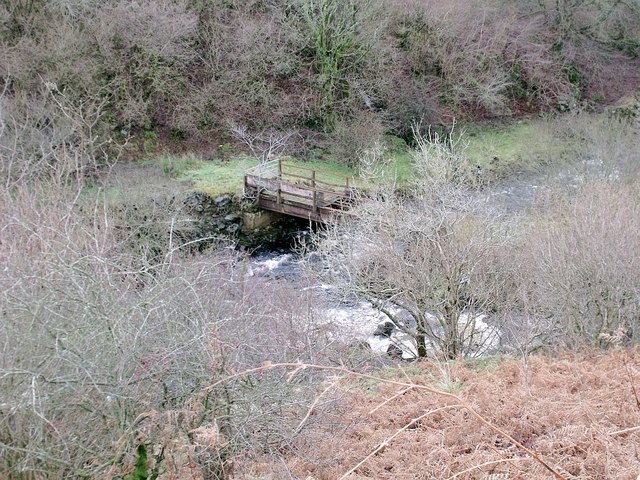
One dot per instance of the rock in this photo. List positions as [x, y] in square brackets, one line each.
[394, 351]
[384, 329]
[222, 200]
[379, 344]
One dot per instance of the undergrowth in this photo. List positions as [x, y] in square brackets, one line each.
[573, 417]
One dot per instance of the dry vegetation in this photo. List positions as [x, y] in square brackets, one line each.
[126, 355]
[579, 413]
[112, 337]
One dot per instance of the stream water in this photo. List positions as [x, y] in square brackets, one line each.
[354, 318]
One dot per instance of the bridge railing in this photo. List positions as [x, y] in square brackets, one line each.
[266, 169]
[322, 177]
[304, 186]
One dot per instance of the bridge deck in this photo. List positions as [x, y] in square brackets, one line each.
[298, 191]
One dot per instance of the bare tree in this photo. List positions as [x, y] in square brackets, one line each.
[582, 255]
[264, 144]
[432, 255]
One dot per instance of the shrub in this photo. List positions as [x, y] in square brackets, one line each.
[583, 252]
[176, 165]
[107, 376]
[353, 135]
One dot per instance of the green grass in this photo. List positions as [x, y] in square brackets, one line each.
[217, 177]
[521, 146]
[400, 167]
[176, 165]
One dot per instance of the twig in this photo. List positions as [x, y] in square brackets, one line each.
[626, 430]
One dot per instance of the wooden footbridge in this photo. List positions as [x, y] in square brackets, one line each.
[298, 191]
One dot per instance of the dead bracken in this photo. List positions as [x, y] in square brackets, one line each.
[579, 413]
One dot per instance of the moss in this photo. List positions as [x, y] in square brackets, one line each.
[141, 471]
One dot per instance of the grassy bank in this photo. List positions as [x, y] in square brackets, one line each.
[524, 145]
[500, 150]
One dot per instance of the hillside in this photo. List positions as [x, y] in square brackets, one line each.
[176, 74]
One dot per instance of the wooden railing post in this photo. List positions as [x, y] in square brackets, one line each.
[315, 192]
[279, 192]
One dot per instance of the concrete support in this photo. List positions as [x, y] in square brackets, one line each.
[264, 218]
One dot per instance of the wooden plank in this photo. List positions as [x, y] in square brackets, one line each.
[321, 200]
[328, 185]
[265, 183]
[289, 209]
[331, 199]
[298, 191]
[300, 210]
[303, 191]
[342, 193]
[288, 199]
[299, 177]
